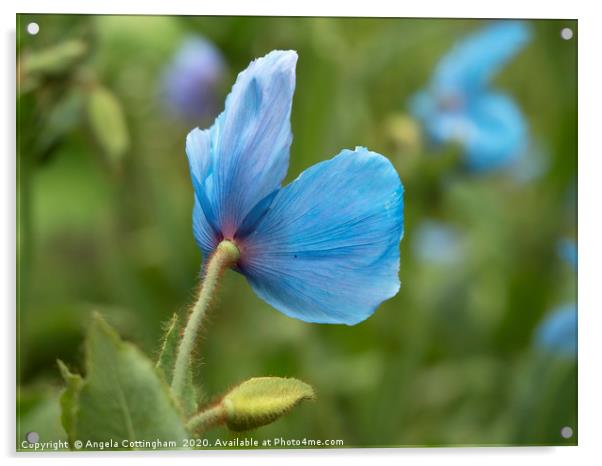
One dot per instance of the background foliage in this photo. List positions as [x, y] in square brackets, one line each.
[104, 224]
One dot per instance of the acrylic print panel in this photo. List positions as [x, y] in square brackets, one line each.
[252, 232]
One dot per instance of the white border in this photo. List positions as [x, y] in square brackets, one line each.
[424, 8]
[590, 156]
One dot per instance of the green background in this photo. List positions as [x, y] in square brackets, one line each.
[105, 225]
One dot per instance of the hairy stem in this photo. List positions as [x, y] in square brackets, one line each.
[224, 256]
[207, 419]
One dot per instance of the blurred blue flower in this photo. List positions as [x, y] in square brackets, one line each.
[558, 332]
[458, 104]
[191, 80]
[324, 248]
[437, 243]
[567, 250]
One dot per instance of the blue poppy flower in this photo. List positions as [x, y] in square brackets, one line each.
[191, 80]
[459, 105]
[324, 248]
[558, 332]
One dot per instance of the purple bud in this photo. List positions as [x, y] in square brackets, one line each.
[192, 78]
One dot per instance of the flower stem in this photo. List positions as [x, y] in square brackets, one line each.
[224, 256]
[204, 420]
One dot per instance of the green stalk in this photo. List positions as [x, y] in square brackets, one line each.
[204, 420]
[224, 256]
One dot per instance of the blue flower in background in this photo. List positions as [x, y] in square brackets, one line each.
[459, 105]
[191, 80]
[567, 250]
[558, 332]
[324, 248]
[437, 243]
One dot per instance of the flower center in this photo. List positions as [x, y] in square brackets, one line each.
[450, 102]
[228, 250]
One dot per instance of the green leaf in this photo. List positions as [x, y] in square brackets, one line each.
[122, 398]
[63, 117]
[262, 400]
[166, 363]
[69, 400]
[108, 123]
[39, 411]
[54, 60]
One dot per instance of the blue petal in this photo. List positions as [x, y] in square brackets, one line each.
[446, 126]
[472, 62]
[198, 149]
[423, 106]
[204, 223]
[327, 250]
[567, 249]
[558, 332]
[496, 133]
[491, 129]
[442, 124]
[244, 156]
[206, 237]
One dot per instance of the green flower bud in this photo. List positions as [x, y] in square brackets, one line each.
[262, 400]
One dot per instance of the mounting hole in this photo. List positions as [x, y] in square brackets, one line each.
[566, 33]
[33, 29]
[32, 437]
[566, 432]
